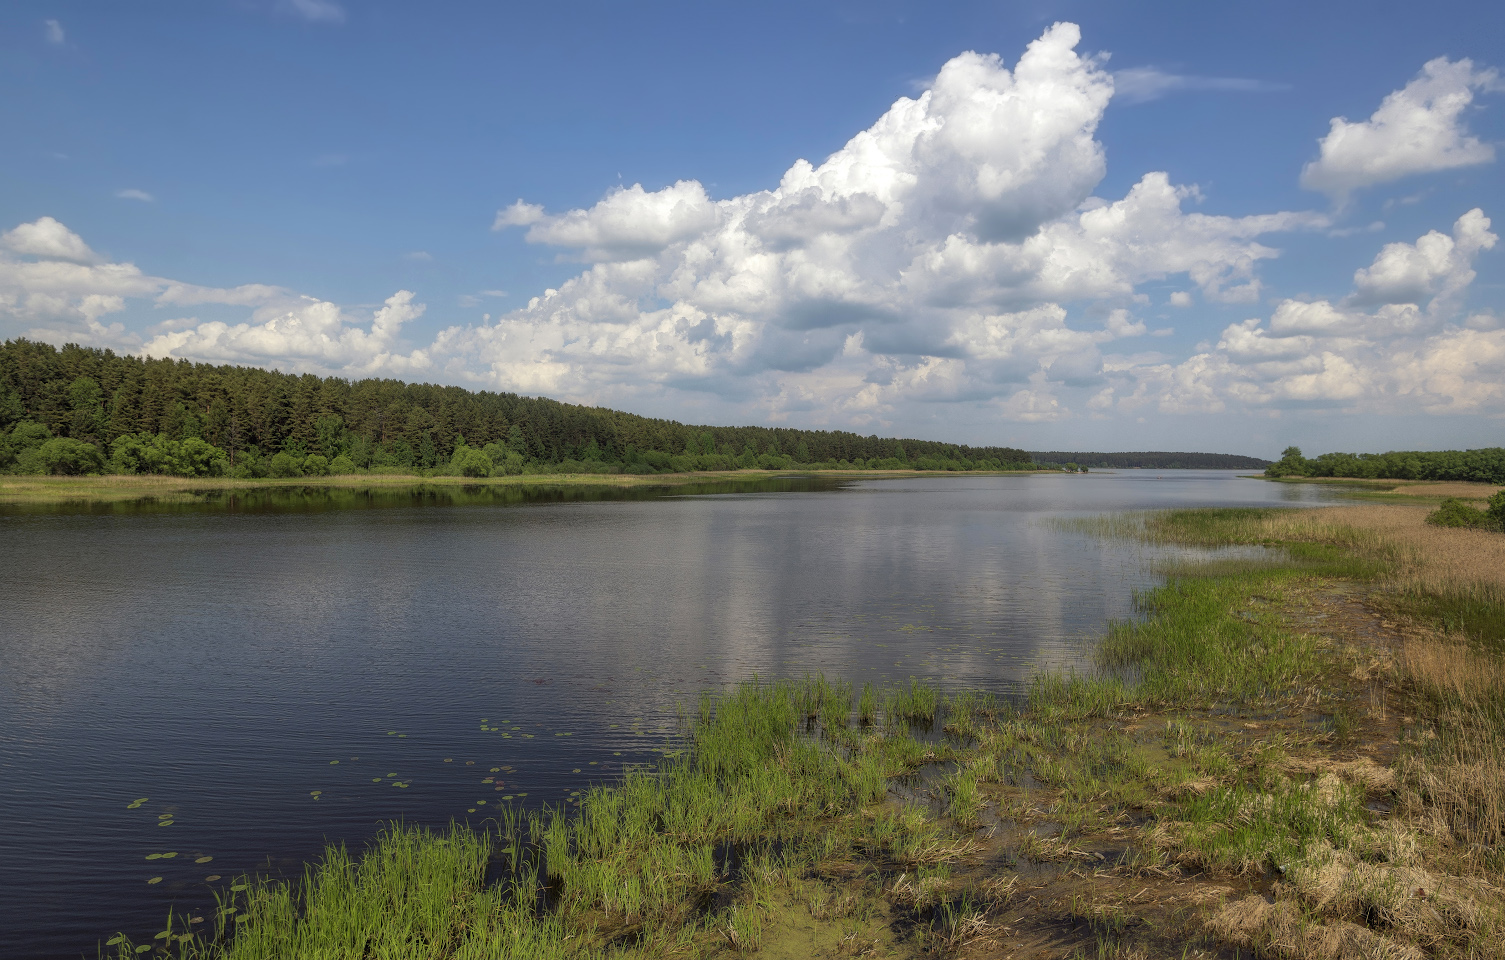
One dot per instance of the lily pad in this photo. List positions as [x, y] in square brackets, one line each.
[237, 887]
[471, 810]
[165, 823]
[315, 793]
[203, 859]
[154, 880]
[118, 938]
[495, 770]
[333, 762]
[211, 878]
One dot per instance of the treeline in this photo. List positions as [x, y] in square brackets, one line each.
[85, 410]
[1151, 460]
[1485, 465]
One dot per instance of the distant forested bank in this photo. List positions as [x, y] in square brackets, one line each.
[81, 410]
[1485, 465]
[1149, 460]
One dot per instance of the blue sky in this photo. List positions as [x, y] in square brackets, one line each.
[1108, 242]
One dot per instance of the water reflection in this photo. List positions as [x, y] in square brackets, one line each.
[227, 658]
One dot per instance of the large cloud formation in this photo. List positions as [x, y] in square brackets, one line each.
[929, 258]
[954, 251]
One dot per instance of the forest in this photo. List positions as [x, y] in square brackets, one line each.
[1150, 460]
[82, 410]
[1485, 465]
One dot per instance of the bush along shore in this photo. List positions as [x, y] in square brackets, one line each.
[1294, 755]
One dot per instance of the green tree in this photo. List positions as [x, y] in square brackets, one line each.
[342, 465]
[1291, 464]
[330, 433]
[470, 462]
[316, 465]
[65, 456]
[283, 466]
[1496, 509]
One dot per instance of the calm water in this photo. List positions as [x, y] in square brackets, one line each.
[218, 660]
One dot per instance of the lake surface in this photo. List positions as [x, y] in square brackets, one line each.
[226, 661]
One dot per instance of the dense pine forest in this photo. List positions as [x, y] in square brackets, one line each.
[1485, 465]
[81, 410]
[1150, 460]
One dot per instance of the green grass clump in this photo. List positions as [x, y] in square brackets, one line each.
[1455, 513]
[1245, 827]
[640, 855]
[915, 704]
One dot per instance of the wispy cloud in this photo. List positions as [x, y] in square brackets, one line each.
[316, 11]
[134, 194]
[1143, 84]
[476, 299]
[53, 31]
[423, 256]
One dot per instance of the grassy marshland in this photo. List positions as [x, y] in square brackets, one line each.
[1294, 757]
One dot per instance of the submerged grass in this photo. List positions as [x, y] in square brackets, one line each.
[1227, 743]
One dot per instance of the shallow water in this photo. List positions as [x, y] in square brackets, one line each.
[225, 661]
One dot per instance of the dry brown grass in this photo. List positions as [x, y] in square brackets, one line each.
[1441, 560]
[1453, 673]
[1463, 491]
[1283, 930]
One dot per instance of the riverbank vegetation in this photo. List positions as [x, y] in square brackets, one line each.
[1150, 460]
[1485, 465]
[80, 410]
[1298, 753]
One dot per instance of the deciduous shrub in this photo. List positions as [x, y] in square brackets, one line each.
[1456, 513]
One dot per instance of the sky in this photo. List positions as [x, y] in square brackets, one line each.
[1053, 225]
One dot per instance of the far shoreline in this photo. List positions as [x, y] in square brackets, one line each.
[38, 489]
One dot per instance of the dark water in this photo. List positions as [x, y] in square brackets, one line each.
[218, 660]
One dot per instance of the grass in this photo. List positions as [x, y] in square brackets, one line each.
[1308, 725]
[43, 490]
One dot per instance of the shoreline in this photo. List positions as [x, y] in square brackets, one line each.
[28, 489]
[1297, 757]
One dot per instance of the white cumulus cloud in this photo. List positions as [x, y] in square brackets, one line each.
[1397, 342]
[1417, 129]
[309, 334]
[48, 239]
